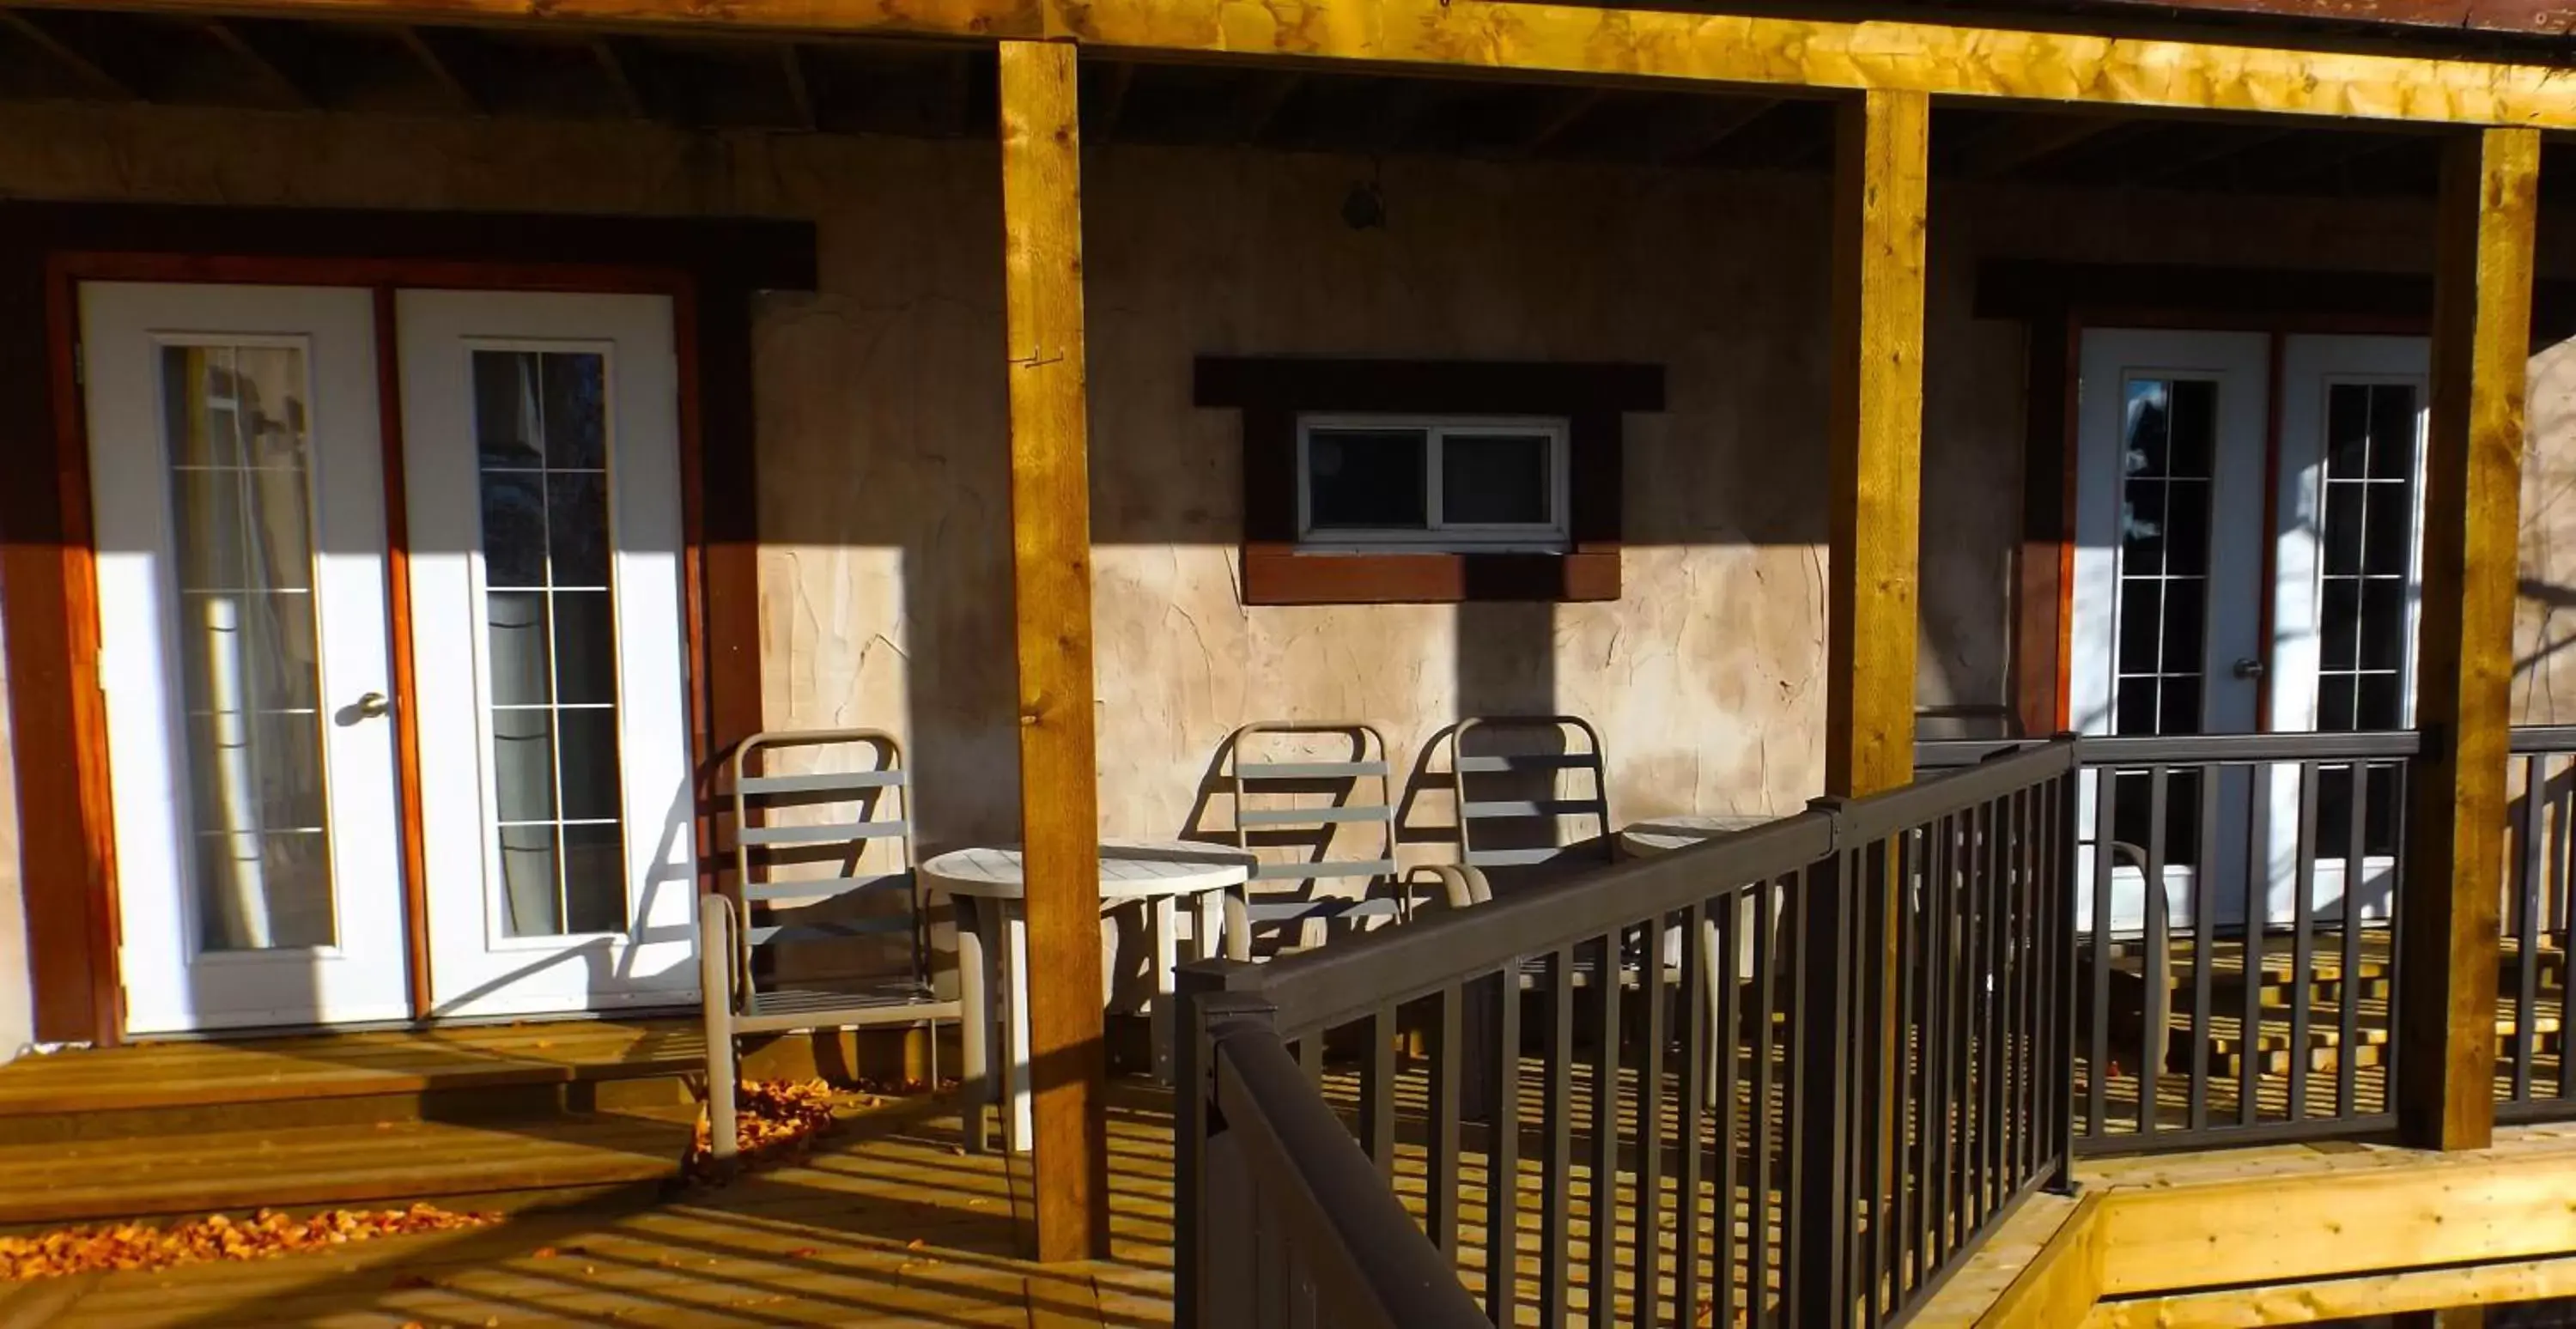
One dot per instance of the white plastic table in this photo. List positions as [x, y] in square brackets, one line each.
[989, 885]
[1663, 835]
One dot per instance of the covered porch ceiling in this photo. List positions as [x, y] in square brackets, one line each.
[933, 89]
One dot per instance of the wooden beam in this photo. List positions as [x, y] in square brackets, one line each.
[613, 66]
[1876, 439]
[1262, 101]
[64, 53]
[1051, 615]
[1606, 42]
[440, 65]
[2026, 140]
[2445, 1293]
[261, 64]
[800, 86]
[2454, 841]
[1570, 110]
[1725, 118]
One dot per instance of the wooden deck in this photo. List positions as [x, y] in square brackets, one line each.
[891, 1224]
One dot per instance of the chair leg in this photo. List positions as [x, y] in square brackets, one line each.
[723, 1138]
[715, 1001]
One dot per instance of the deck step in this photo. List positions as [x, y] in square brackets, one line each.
[503, 1073]
[357, 1165]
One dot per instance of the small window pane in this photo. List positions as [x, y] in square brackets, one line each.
[2193, 428]
[530, 905]
[1497, 479]
[518, 631]
[594, 864]
[523, 758]
[2137, 707]
[2187, 527]
[2178, 709]
[585, 648]
[508, 409]
[2141, 611]
[2142, 528]
[2348, 430]
[2345, 504]
[514, 529]
[576, 411]
[2148, 410]
[2185, 623]
[1367, 479]
[2392, 431]
[577, 528]
[588, 740]
[2388, 547]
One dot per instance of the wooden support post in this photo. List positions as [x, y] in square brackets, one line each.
[1880, 175]
[1051, 599]
[2447, 911]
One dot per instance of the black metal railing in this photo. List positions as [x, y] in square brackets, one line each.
[2235, 895]
[2535, 1078]
[1786, 1078]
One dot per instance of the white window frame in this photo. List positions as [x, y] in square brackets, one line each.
[1438, 535]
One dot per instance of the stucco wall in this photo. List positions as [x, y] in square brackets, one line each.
[884, 577]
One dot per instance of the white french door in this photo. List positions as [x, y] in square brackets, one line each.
[541, 437]
[237, 464]
[2226, 576]
[238, 511]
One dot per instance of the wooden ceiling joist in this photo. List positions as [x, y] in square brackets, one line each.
[264, 67]
[63, 51]
[799, 84]
[2027, 140]
[1724, 118]
[614, 67]
[438, 59]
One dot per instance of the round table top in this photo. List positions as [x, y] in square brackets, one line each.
[1129, 869]
[1662, 835]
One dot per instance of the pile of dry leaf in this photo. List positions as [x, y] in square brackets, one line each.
[262, 1236]
[774, 1120]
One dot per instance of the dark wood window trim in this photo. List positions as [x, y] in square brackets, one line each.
[1272, 391]
[2058, 301]
[47, 593]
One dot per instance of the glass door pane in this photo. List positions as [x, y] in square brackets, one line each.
[541, 443]
[241, 507]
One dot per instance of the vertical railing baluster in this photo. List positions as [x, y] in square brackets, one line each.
[1648, 1246]
[2097, 1055]
[1730, 1123]
[1607, 979]
[1757, 1236]
[1697, 991]
[1448, 1049]
[2347, 1045]
[1939, 1035]
[2562, 859]
[1912, 973]
[1377, 1090]
[2204, 948]
[1816, 1275]
[2303, 960]
[2060, 934]
[1992, 1057]
[2526, 903]
[1557, 1152]
[2258, 915]
[2156, 1029]
[1503, 1154]
[1958, 967]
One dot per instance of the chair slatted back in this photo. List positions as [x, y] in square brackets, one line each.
[1515, 807]
[876, 793]
[1265, 781]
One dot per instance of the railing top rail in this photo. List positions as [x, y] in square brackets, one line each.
[2187, 749]
[1350, 978]
[1370, 1261]
[1353, 976]
[2539, 738]
[1882, 815]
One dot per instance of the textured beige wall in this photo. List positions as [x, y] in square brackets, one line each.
[884, 578]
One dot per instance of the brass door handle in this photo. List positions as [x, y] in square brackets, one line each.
[373, 706]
